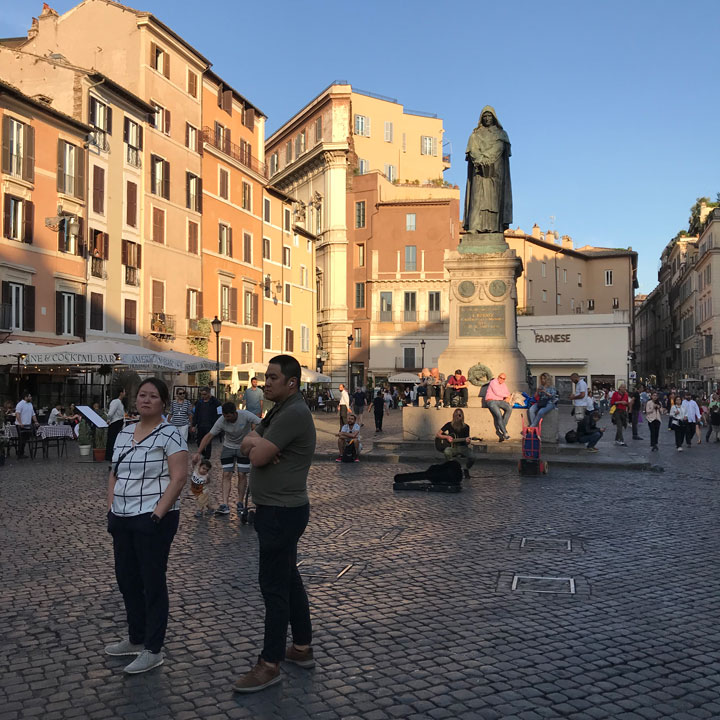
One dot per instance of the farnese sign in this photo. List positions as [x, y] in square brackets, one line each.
[558, 338]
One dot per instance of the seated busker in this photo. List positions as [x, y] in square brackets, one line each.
[456, 386]
[349, 440]
[588, 431]
[453, 440]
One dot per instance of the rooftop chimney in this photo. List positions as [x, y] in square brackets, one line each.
[536, 231]
[567, 242]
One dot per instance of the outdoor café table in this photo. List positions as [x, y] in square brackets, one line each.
[11, 433]
[59, 433]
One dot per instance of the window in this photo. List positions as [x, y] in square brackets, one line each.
[591, 305]
[131, 204]
[410, 222]
[193, 303]
[225, 239]
[428, 145]
[18, 149]
[224, 98]
[303, 276]
[362, 125]
[21, 301]
[572, 303]
[161, 119]
[318, 218]
[158, 297]
[100, 117]
[131, 255]
[288, 152]
[404, 142]
[385, 307]
[300, 143]
[98, 190]
[192, 233]
[608, 277]
[304, 338]
[250, 308]
[69, 314]
[228, 303]
[286, 256]
[130, 320]
[191, 137]
[410, 307]
[159, 177]
[69, 241]
[410, 258]
[357, 332]
[388, 132]
[246, 196]
[247, 248]
[434, 306]
[96, 311]
[564, 276]
[267, 336]
[616, 303]
[133, 139]
[361, 255]
[579, 279]
[409, 357]
[71, 170]
[530, 288]
[266, 248]
[193, 192]
[287, 293]
[363, 167]
[159, 60]
[359, 295]
[360, 214]
[391, 173]
[266, 210]
[192, 83]
[223, 183]
[286, 220]
[543, 269]
[558, 300]
[544, 295]
[18, 215]
[318, 129]
[289, 340]
[246, 352]
[267, 285]
[274, 163]
[225, 350]
[158, 225]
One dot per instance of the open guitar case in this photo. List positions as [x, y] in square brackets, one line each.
[445, 477]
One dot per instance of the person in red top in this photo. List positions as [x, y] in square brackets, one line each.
[456, 384]
[620, 402]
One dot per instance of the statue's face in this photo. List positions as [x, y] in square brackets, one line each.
[487, 119]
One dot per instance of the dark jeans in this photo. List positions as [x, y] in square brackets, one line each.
[343, 415]
[689, 432]
[24, 436]
[634, 419]
[654, 432]
[590, 440]
[500, 419]
[679, 434]
[141, 551]
[378, 421]
[278, 531]
[435, 391]
[450, 390]
[201, 433]
[112, 434]
[620, 420]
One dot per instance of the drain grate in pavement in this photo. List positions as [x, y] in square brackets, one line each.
[541, 584]
[547, 543]
[539, 543]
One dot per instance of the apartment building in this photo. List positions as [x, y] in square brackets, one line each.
[140, 53]
[42, 264]
[316, 157]
[110, 240]
[233, 173]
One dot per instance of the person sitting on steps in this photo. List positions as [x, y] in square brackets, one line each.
[455, 436]
[497, 400]
[349, 435]
[456, 387]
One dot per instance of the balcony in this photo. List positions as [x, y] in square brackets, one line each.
[6, 317]
[97, 268]
[233, 151]
[133, 156]
[132, 276]
[386, 316]
[98, 138]
[434, 316]
[162, 326]
[530, 310]
[410, 316]
[407, 364]
[196, 329]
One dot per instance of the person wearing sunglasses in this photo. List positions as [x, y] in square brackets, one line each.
[180, 412]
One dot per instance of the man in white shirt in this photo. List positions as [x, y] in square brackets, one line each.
[343, 405]
[55, 413]
[579, 397]
[25, 421]
[115, 421]
[692, 413]
[349, 433]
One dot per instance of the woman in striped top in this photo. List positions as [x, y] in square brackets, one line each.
[180, 411]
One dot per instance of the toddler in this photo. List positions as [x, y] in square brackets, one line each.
[199, 486]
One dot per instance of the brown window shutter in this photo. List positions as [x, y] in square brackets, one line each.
[187, 189]
[108, 128]
[187, 304]
[79, 316]
[227, 101]
[131, 204]
[140, 137]
[29, 308]
[220, 96]
[58, 312]
[199, 196]
[157, 296]
[249, 119]
[187, 135]
[166, 180]
[106, 247]
[6, 144]
[199, 305]
[166, 63]
[166, 116]
[157, 225]
[28, 219]
[153, 54]
[80, 173]
[124, 252]
[130, 326]
[126, 129]
[98, 190]
[80, 242]
[254, 310]
[28, 172]
[233, 304]
[61, 166]
[230, 247]
[228, 142]
[139, 257]
[192, 238]
[6, 216]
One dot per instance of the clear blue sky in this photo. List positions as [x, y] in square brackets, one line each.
[611, 107]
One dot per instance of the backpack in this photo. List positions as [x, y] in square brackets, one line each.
[571, 436]
[447, 473]
[349, 453]
[483, 393]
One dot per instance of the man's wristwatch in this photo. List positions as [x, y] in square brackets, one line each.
[155, 518]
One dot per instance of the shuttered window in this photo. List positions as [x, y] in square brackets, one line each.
[131, 204]
[192, 83]
[247, 248]
[18, 219]
[130, 322]
[223, 183]
[159, 177]
[18, 149]
[225, 351]
[193, 238]
[158, 225]
[96, 311]
[289, 340]
[246, 196]
[158, 296]
[70, 169]
[160, 59]
[193, 192]
[98, 192]
[268, 336]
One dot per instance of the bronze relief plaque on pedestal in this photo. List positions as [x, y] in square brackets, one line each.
[481, 321]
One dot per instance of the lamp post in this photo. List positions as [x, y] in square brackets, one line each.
[422, 350]
[350, 340]
[217, 327]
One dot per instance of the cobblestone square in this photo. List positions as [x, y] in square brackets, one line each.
[412, 615]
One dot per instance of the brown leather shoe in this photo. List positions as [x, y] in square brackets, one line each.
[303, 658]
[260, 677]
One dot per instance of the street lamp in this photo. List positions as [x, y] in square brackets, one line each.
[350, 340]
[422, 348]
[217, 327]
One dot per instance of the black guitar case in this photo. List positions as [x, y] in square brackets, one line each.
[444, 477]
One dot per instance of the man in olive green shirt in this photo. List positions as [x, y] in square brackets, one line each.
[280, 451]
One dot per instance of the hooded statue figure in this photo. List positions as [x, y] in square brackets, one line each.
[488, 195]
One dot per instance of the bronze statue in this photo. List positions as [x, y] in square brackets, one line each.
[488, 194]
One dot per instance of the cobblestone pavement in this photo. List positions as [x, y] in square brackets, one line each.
[423, 623]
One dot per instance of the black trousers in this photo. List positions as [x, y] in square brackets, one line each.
[343, 415]
[654, 432]
[286, 602]
[201, 433]
[24, 436]
[141, 550]
[679, 434]
[113, 431]
[378, 421]
[689, 432]
[450, 390]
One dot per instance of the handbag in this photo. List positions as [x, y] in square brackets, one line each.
[613, 409]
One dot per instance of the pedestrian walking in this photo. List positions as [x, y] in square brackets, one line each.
[359, 401]
[253, 398]
[25, 422]
[653, 411]
[378, 410]
[579, 397]
[714, 417]
[149, 473]
[115, 421]
[636, 405]
[204, 416]
[678, 421]
[280, 451]
[619, 403]
[180, 413]
[692, 416]
[343, 404]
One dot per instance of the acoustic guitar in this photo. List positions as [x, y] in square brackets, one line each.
[441, 444]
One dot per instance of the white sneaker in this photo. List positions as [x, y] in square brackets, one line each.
[124, 647]
[679, 449]
[143, 662]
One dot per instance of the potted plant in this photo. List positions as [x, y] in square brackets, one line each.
[84, 438]
[99, 443]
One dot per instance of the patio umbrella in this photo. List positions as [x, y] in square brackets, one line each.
[310, 376]
[191, 363]
[404, 377]
[9, 351]
[252, 367]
